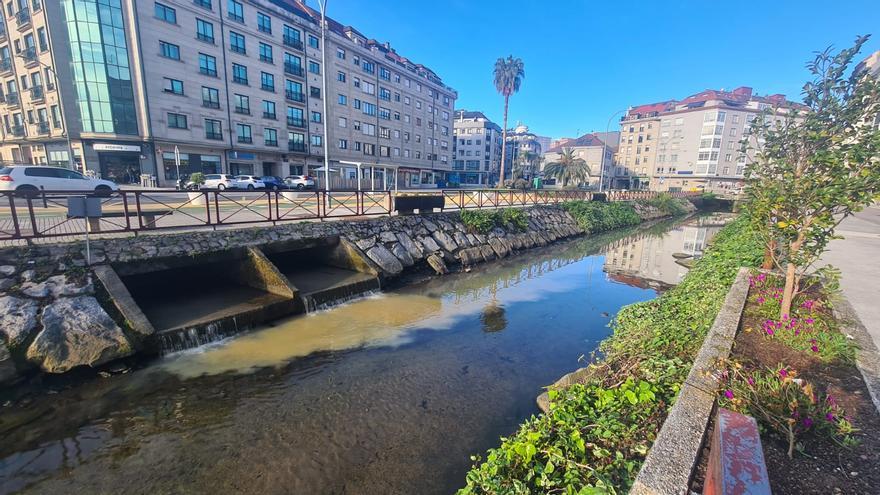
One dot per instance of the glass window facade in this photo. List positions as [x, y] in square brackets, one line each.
[100, 64]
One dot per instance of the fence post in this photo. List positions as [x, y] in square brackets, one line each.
[15, 224]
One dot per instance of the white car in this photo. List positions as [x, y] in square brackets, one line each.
[29, 180]
[219, 181]
[299, 182]
[249, 182]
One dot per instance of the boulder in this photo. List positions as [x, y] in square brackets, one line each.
[6, 283]
[445, 241]
[8, 373]
[487, 252]
[77, 332]
[470, 256]
[438, 264]
[402, 254]
[429, 245]
[387, 236]
[499, 246]
[386, 261]
[365, 244]
[7, 270]
[461, 239]
[18, 317]
[58, 286]
[414, 250]
[431, 226]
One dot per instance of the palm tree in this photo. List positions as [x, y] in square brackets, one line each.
[568, 169]
[522, 164]
[509, 74]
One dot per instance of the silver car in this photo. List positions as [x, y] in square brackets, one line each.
[249, 182]
[300, 182]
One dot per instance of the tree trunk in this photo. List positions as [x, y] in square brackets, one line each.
[503, 142]
[768, 255]
[791, 282]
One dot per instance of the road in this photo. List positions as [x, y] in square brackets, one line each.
[857, 257]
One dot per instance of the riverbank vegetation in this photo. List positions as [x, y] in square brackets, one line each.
[597, 433]
[483, 221]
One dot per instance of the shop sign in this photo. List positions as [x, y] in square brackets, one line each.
[116, 147]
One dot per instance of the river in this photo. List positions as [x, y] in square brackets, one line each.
[387, 394]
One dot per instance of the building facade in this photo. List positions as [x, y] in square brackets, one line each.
[524, 152]
[233, 86]
[692, 144]
[589, 148]
[476, 149]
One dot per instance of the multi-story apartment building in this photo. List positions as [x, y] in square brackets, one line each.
[871, 66]
[232, 85]
[522, 144]
[590, 149]
[476, 149]
[692, 144]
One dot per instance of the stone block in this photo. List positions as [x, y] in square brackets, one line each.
[18, 317]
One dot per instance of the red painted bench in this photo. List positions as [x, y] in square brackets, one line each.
[736, 461]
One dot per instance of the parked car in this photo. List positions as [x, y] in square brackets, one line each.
[28, 180]
[219, 181]
[300, 182]
[274, 183]
[249, 182]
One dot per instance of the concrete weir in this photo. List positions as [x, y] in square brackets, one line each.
[212, 296]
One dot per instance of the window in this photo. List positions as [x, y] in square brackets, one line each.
[267, 82]
[166, 13]
[369, 67]
[169, 50]
[384, 94]
[315, 92]
[235, 11]
[242, 104]
[207, 65]
[239, 74]
[340, 53]
[210, 97]
[343, 144]
[270, 137]
[316, 140]
[369, 109]
[313, 42]
[236, 42]
[292, 37]
[343, 100]
[243, 131]
[269, 110]
[213, 130]
[264, 23]
[266, 53]
[204, 3]
[316, 117]
[176, 121]
[343, 122]
[340, 76]
[314, 67]
[173, 86]
[384, 74]
[204, 31]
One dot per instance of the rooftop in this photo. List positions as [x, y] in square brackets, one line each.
[584, 141]
[738, 97]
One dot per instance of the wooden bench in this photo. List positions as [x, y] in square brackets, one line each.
[736, 460]
[149, 217]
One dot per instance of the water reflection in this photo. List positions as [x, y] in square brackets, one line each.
[646, 259]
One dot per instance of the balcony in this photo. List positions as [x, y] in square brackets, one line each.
[270, 116]
[232, 16]
[29, 55]
[12, 99]
[38, 5]
[211, 104]
[42, 128]
[272, 143]
[2, 31]
[243, 110]
[294, 43]
[5, 65]
[18, 130]
[296, 122]
[214, 136]
[296, 147]
[294, 70]
[245, 139]
[37, 93]
[23, 19]
[295, 96]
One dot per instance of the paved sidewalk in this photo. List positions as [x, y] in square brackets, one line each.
[858, 258]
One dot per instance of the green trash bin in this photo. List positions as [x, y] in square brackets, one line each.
[538, 183]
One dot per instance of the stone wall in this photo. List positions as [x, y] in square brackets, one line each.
[51, 317]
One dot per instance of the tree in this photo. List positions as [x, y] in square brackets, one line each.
[509, 74]
[568, 169]
[523, 164]
[814, 168]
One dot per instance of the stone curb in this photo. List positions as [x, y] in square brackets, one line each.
[867, 355]
[670, 462]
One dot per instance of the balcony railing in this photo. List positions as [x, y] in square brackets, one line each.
[296, 147]
[243, 110]
[296, 96]
[23, 17]
[6, 65]
[271, 143]
[42, 128]
[245, 139]
[294, 70]
[294, 43]
[12, 99]
[30, 56]
[296, 122]
[211, 104]
[37, 93]
[2, 31]
[18, 130]
[214, 136]
[270, 116]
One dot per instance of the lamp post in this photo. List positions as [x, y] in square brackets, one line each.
[323, 5]
[70, 161]
[604, 148]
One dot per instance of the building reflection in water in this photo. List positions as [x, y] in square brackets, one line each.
[651, 260]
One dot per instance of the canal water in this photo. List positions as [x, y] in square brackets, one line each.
[384, 395]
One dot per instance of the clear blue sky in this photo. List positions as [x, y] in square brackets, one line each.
[585, 60]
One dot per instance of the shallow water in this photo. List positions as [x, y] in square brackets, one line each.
[387, 394]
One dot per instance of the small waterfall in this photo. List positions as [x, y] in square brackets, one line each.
[188, 338]
[312, 305]
[334, 296]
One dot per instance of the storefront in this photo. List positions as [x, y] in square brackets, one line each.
[190, 163]
[120, 163]
[242, 163]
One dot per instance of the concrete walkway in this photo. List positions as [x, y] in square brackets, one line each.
[858, 258]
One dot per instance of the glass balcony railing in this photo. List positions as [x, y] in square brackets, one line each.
[297, 147]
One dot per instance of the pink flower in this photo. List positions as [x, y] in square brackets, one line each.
[829, 417]
[751, 381]
[770, 331]
[808, 422]
[761, 300]
[728, 394]
[809, 321]
[783, 372]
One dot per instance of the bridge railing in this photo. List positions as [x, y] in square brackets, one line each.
[42, 217]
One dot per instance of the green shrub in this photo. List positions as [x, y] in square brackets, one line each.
[483, 221]
[597, 433]
[668, 204]
[515, 217]
[595, 216]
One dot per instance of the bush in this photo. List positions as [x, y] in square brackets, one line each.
[667, 204]
[197, 178]
[597, 433]
[483, 221]
[594, 216]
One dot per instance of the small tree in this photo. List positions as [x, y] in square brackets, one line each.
[813, 168]
[568, 169]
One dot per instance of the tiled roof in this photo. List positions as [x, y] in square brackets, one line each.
[581, 142]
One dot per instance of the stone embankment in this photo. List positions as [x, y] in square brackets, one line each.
[55, 313]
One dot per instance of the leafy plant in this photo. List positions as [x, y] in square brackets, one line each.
[568, 169]
[668, 204]
[813, 168]
[595, 216]
[483, 221]
[197, 178]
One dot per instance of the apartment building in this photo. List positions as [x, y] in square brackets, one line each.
[476, 148]
[589, 148]
[871, 66]
[230, 86]
[691, 144]
[524, 151]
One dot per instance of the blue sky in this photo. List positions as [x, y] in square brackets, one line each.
[586, 60]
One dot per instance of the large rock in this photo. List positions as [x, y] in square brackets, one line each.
[429, 245]
[7, 270]
[438, 264]
[499, 246]
[461, 240]
[445, 241]
[58, 286]
[402, 254]
[8, 373]
[18, 317]
[385, 259]
[77, 332]
[414, 250]
[470, 256]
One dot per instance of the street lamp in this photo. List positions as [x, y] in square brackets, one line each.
[323, 5]
[70, 161]
[605, 147]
